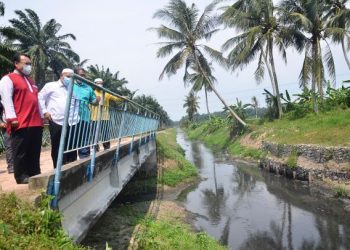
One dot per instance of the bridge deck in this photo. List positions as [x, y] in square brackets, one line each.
[8, 183]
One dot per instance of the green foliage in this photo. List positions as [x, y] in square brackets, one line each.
[47, 48]
[238, 150]
[167, 148]
[23, 226]
[292, 160]
[171, 235]
[340, 192]
[152, 104]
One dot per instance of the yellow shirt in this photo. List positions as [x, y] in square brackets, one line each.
[105, 107]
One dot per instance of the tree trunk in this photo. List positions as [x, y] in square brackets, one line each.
[216, 93]
[314, 81]
[345, 54]
[256, 112]
[206, 101]
[272, 64]
[270, 73]
[319, 72]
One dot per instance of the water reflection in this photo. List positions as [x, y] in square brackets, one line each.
[246, 208]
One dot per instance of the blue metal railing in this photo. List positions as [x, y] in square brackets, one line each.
[87, 125]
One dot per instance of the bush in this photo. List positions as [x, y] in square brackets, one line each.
[23, 226]
[340, 192]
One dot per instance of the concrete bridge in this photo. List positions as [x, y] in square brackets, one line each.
[82, 190]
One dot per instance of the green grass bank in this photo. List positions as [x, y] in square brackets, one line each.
[25, 226]
[171, 157]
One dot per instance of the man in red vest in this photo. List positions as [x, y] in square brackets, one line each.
[19, 96]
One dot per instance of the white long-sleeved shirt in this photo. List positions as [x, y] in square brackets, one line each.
[53, 99]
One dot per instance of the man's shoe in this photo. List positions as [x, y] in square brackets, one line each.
[25, 180]
[10, 170]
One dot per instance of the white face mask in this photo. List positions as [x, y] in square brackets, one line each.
[99, 84]
[27, 69]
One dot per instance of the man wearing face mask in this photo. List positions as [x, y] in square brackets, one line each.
[53, 99]
[19, 96]
[105, 126]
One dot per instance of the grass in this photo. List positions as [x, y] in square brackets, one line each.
[24, 226]
[219, 140]
[170, 235]
[178, 168]
[310, 129]
[340, 191]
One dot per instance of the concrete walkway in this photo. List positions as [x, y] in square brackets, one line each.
[8, 183]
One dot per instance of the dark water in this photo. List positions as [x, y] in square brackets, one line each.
[247, 208]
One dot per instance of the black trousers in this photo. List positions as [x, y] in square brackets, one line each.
[55, 135]
[26, 146]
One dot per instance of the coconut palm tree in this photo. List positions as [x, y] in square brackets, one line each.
[260, 33]
[191, 104]
[185, 31]
[312, 26]
[199, 82]
[42, 42]
[340, 14]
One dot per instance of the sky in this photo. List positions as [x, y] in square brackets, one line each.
[115, 34]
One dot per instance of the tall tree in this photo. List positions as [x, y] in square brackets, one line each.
[6, 51]
[192, 105]
[185, 30]
[312, 26]
[340, 15]
[260, 32]
[199, 82]
[47, 48]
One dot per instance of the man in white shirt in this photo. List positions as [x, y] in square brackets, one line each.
[53, 99]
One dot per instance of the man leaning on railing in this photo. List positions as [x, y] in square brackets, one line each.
[105, 116]
[52, 99]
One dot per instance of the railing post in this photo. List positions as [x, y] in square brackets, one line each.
[116, 156]
[142, 128]
[56, 186]
[91, 166]
[133, 134]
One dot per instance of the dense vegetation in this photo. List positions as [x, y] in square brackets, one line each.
[24, 226]
[178, 168]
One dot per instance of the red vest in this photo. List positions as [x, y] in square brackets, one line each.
[25, 102]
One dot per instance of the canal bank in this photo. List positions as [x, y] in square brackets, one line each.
[296, 149]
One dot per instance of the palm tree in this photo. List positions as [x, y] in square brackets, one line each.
[41, 42]
[260, 28]
[186, 28]
[255, 105]
[111, 80]
[339, 15]
[311, 27]
[199, 82]
[6, 51]
[192, 105]
[152, 104]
